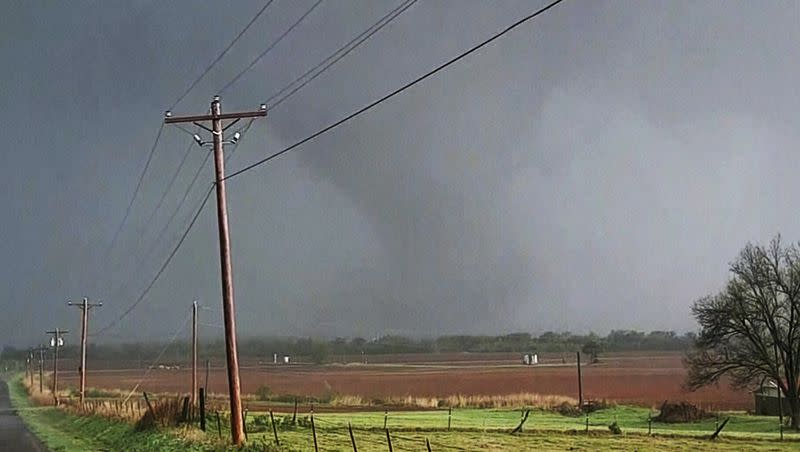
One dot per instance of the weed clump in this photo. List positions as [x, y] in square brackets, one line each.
[681, 412]
[263, 393]
[568, 409]
[165, 413]
[590, 406]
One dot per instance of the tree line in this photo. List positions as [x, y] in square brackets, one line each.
[319, 350]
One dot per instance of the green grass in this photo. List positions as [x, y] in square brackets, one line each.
[375, 441]
[630, 419]
[61, 431]
[487, 430]
[484, 430]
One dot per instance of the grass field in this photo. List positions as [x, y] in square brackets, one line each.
[374, 441]
[488, 430]
[470, 430]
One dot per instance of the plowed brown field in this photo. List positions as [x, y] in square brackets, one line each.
[635, 378]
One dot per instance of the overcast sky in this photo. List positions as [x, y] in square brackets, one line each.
[595, 169]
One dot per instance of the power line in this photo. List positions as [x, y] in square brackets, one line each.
[395, 92]
[139, 265]
[221, 55]
[153, 245]
[169, 186]
[135, 193]
[243, 132]
[160, 270]
[158, 358]
[180, 204]
[341, 52]
[269, 48]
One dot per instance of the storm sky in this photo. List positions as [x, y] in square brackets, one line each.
[594, 169]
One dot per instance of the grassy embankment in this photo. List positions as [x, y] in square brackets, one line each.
[62, 431]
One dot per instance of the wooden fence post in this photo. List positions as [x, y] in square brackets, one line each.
[202, 409]
[294, 414]
[149, 405]
[719, 429]
[274, 428]
[385, 418]
[314, 432]
[389, 440]
[428, 444]
[521, 422]
[352, 438]
[185, 409]
[244, 424]
[219, 426]
[449, 417]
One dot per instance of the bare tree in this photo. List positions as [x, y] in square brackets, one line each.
[750, 331]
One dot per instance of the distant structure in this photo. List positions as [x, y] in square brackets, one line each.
[286, 359]
[767, 401]
[530, 359]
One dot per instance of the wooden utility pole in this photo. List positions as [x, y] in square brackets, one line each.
[194, 354]
[41, 369]
[208, 368]
[580, 382]
[216, 118]
[84, 307]
[56, 342]
[29, 368]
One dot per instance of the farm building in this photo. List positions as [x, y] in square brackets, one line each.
[768, 403]
[278, 359]
[530, 359]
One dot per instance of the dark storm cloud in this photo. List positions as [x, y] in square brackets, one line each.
[596, 169]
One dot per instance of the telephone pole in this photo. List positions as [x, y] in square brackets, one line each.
[29, 367]
[216, 118]
[84, 307]
[194, 353]
[56, 341]
[41, 350]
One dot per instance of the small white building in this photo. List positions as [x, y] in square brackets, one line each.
[530, 359]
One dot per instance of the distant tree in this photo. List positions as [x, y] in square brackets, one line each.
[592, 348]
[751, 330]
[319, 352]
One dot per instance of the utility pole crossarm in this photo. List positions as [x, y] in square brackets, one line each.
[222, 116]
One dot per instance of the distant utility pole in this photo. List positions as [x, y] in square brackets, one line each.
[41, 350]
[56, 341]
[194, 353]
[580, 381]
[84, 307]
[216, 118]
[29, 367]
